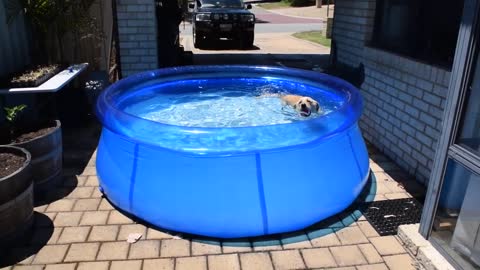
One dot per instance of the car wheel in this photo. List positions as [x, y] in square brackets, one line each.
[247, 40]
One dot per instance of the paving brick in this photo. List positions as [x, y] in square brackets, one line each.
[394, 196]
[95, 218]
[158, 264]
[73, 234]
[103, 233]
[323, 238]
[399, 262]
[82, 252]
[380, 266]
[40, 209]
[92, 181]
[175, 248]
[89, 170]
[348, 255]
[67, 219]
[157, 234]
[81, 193]
[387, 245]
[206, 247]
[93, 266]
[145, 249]
[367, 229]
[61, 206]
[318, 257]
[253, 261]
[340, 268]
[113, 251]
[28, 267]
[116, 217]
[287, 259]
[130, 265]
[221, 262]
[351, 236]
[50, 254]
[191, 263]
[236, 246]
[370, 253]
[125, 230]
[96, 193]
[86, 205]
[105, 205]
[295, 240]
[63, 266]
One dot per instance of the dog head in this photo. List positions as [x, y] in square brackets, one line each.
[306, 106]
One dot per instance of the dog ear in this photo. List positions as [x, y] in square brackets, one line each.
[317, 107]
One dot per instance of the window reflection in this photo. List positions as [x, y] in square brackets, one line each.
[457, 221]
[469, 134]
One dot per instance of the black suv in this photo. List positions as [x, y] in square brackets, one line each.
[215, 19]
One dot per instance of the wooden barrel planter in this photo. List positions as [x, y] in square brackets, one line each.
[47, 159]
[16, 200]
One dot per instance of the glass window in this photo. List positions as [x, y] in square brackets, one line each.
[456, 228]
[426, 30]
[469, 133]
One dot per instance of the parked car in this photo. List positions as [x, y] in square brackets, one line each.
[215, 19]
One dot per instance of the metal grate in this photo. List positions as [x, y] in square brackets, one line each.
[386, 216]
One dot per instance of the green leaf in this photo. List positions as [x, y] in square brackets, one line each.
[12, 113]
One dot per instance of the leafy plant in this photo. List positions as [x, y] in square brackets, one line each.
[11, 115]
[13, 112]
[52, 20]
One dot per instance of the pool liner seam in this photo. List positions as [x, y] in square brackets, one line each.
[261, 193]
[133, 176]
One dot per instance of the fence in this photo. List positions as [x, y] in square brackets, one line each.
[14, 43]
[15, 39]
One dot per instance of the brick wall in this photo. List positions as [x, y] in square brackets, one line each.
[404, 99]
[137, 29]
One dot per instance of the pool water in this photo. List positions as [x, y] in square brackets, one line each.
[227, 106]
[229, 103]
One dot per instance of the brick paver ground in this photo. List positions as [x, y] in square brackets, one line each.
[76, 228]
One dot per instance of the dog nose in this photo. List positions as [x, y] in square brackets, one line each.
[304, 106]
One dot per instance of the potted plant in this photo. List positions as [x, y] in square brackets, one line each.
[43, 139]
[16, 191]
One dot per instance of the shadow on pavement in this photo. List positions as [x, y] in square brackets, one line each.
[226, 44]
[302, 61]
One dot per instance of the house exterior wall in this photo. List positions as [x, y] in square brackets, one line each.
[137, 30]
[404, 99]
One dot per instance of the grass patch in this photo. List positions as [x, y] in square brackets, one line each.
[314, 36]
[274, 5]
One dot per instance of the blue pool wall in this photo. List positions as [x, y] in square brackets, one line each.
[236, 194]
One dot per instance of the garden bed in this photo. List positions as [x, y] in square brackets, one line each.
[34, 76]
[10, 163]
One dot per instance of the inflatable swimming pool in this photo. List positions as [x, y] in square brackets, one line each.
[210, 150]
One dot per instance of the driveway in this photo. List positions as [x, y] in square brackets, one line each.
[273, 44]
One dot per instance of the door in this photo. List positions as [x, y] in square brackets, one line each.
[451, 218]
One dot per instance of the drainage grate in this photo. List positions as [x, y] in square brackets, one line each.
[386, 216]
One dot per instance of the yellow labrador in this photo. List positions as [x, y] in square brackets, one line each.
[304, 105]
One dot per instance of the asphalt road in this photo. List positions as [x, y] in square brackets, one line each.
[270, 22]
